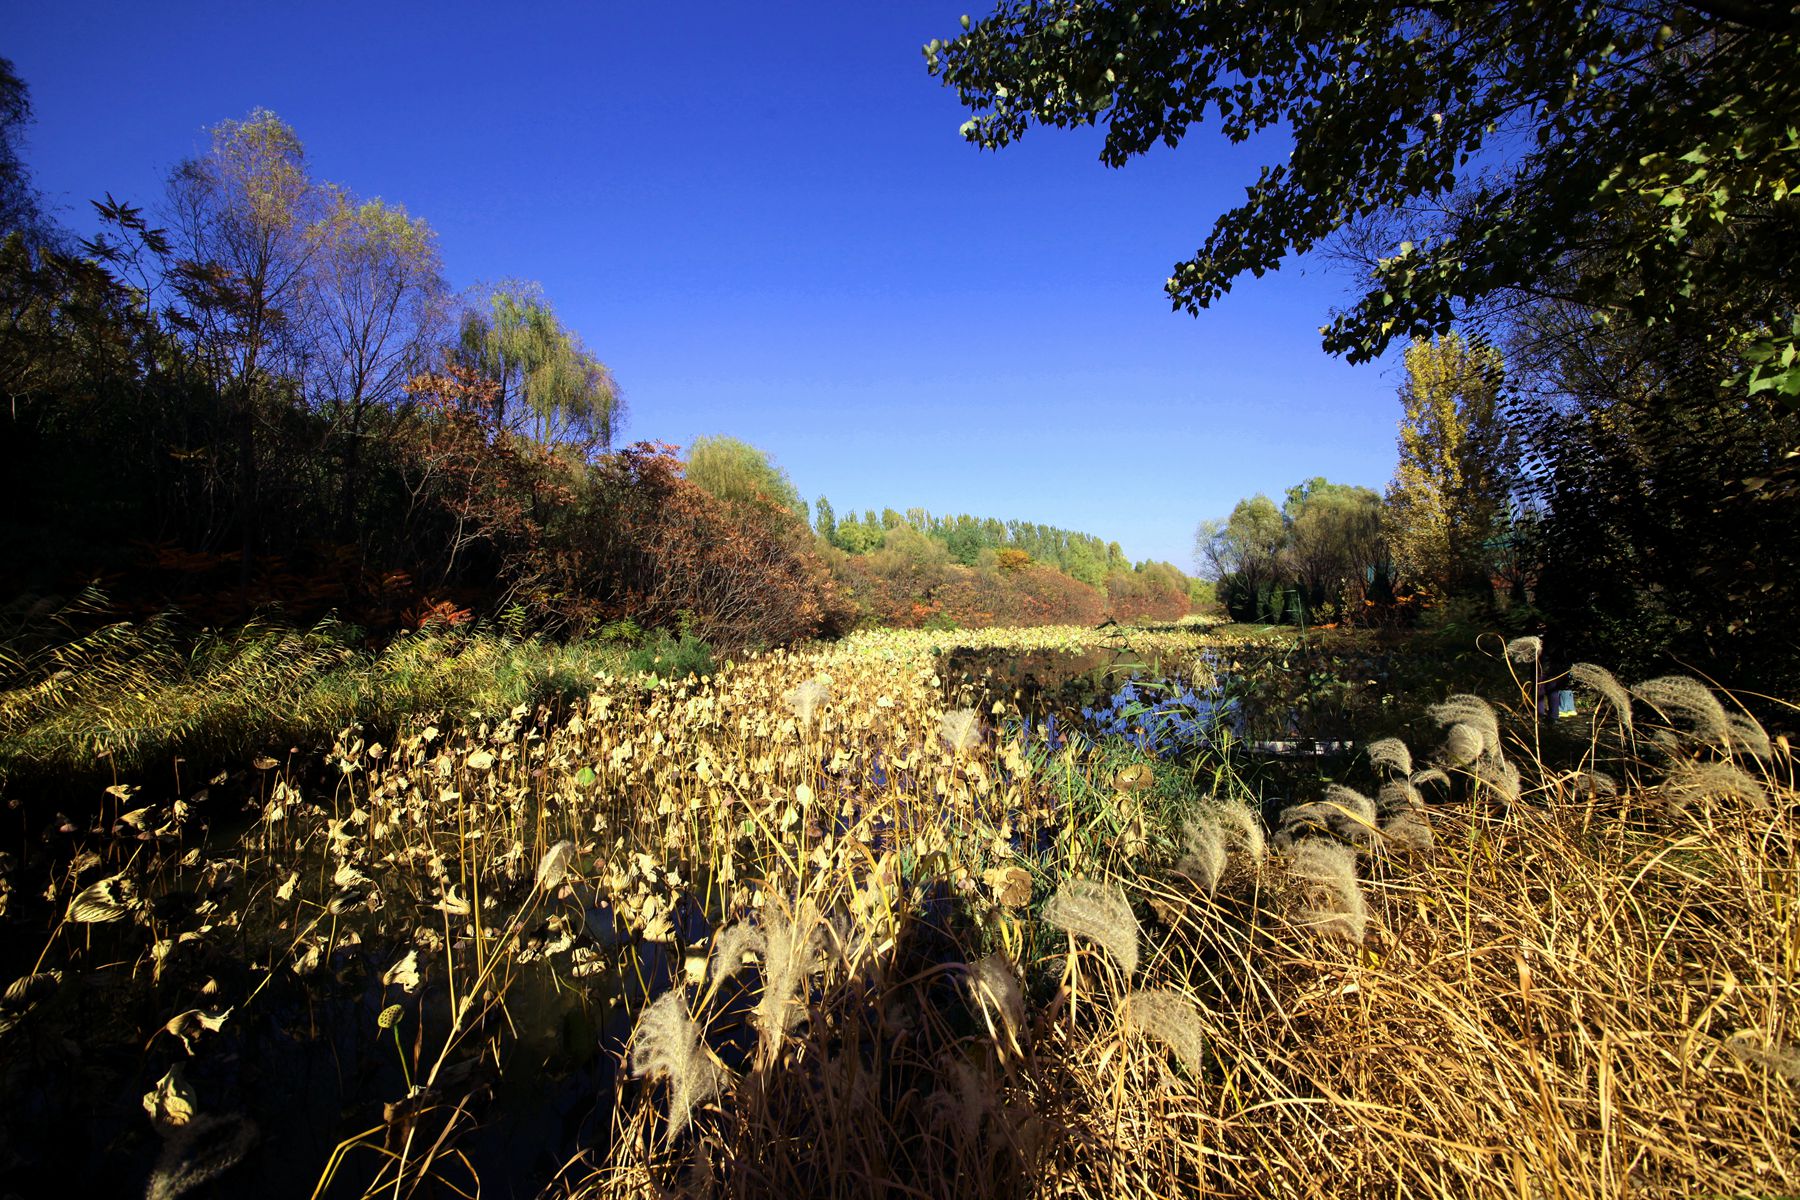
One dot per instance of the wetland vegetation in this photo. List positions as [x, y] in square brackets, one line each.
[407, 790]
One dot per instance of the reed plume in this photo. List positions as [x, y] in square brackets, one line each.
[1242, 829]
[1398, 796]
[668, 1045]
[1751, 1046]
[792, 955]
[806, 699]
[1389, 757]
[1330, 897]
[996, 987]
[1747, 736]
[1604, 684]
[1471, 711]
[1203, 851]
[198, 1152]
[1525, 650]
[1686, 698]
[960, 730]
[1463, 744]
[1100, 913]
[731, 947]
[1166, 1016]
[1688, 781]
[1409, 833]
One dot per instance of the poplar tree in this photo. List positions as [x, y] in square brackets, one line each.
[1451, 487]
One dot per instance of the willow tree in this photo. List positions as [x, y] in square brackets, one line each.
[738, 473]
[550, 388]
[1449, 498]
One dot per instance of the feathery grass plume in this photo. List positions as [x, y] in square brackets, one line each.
[964, 1106]
[960, 730]
[1203, 851]
[995, 986]
[1689, 781]
[1330, 897]
[1748, 737]
[1169, 1017]
[198, 1152]
[1398, 796]
[1419, 779]
[1498, 775]
[792, 955]
[1595, 783]
[1409, 833]
[1751, 1046]
[1389, 756]
[1242, 829]
[1525, 649]
[1687, 698]
[1351, 800]
[1471, 710]
[731, 945]
[1604, 684]
[1463, 744]
[806, 698]
[1100, 913]
[668, 1044]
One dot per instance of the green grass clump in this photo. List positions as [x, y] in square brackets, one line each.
[129, 696]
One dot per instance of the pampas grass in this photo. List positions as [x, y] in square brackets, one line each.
[1168, 1017]
[668, 1046]
[960, 730]
[1330, 899]
[995, 988]
[1679, 697]
[1390, 757]
[1098, 912]
[1602, 683]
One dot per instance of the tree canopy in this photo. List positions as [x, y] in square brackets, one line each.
[1628, 155]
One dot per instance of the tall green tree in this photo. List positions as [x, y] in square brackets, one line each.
[1243, 554]
[1537, 130]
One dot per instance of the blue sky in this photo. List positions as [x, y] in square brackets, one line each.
[761, 217]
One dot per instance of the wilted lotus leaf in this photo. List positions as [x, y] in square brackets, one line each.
[404, 974]
[1135, 777]
[1011, 885]
[103, 900]
[285, 892]
[554, 867]
[188, 1026]
[170, 1103]
[25, 994]
[263, 762]
[348, 876]
[480, 760]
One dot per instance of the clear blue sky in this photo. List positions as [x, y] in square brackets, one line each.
[761, 217]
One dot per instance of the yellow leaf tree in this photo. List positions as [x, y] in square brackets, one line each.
[1448, 500]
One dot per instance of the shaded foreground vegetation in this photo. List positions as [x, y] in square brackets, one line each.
[838, 920]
